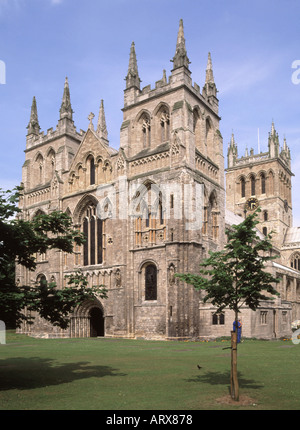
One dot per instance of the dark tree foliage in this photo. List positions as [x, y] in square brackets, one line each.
[20, 240]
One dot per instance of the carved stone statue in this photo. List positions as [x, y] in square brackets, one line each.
[172, 278]
[118, 278]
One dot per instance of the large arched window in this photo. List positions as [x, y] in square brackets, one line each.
[92, 228]
[150, 282]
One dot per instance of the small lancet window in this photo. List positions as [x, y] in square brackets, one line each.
[146, 129]
[165, 127]
[263, 183]
[151, 282]
[252, 183]
[243, 187]
[92, 171]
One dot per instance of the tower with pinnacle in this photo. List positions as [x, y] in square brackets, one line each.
[264, 179]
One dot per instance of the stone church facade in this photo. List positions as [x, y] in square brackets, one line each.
[155, 207]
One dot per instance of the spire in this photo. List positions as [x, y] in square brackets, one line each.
[273, 142]
[273, 134]
[232, 143]
[285, 153]
[33, 125]
[66, 108]
[273, 131]
[101, 126]
[132, 78]
[209, 88]
[232, 151]
[180, 58]
[209, 78]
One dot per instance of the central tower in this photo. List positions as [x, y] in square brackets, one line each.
[262, 180]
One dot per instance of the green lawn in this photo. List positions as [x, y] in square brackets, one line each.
[119, 374]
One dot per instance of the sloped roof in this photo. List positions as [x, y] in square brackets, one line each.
[233, 219]
[288, 269]
[292, 235]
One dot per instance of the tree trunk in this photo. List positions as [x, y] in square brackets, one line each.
[234, 383]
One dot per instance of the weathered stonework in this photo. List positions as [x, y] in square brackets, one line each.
[132, 205]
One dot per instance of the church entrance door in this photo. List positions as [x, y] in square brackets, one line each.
[96, 322]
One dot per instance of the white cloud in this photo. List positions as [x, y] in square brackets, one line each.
[4, 4]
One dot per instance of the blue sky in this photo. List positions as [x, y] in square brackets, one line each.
[253, 46]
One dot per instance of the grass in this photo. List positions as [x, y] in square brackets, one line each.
[122, 374]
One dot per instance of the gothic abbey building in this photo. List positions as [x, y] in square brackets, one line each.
[155, 207]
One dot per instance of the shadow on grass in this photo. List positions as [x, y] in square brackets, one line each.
[223, 378]
[28, 373]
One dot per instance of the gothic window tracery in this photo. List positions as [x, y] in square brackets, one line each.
[295, 261]
[213, 217]
[165, 126]
[218, 319]
[146, 130]
[93, 230]
[149, 212]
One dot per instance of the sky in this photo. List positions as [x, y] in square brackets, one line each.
[255, 49]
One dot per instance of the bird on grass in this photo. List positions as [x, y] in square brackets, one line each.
[199, 367]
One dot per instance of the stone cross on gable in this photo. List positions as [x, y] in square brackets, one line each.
[90, 118]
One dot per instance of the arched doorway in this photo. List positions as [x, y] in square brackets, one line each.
[88, 320]
[96, 322]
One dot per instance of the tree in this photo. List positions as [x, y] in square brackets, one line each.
[20, 241]
[237, 276]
